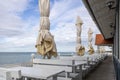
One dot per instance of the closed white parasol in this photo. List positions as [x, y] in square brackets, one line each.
[79, 48]
[45, 42]
[90, 47]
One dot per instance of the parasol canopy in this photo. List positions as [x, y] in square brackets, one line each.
[79, 48]
[45, 43]
[90, 47]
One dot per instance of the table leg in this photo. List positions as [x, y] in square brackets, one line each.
[23, 78]
[55, 77]
[66, 74]
[80, 72]
[74, 69]
[27, 78]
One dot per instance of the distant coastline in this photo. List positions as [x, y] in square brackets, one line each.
[22, 57]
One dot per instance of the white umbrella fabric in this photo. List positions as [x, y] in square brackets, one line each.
[90, 47]
[45, 43]
[79, 48]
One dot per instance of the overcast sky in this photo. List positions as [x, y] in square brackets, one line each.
[19, 24]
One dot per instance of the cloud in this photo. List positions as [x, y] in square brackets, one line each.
[19, 24]
[60, 6]
[22, 43]
[63, 24]
[11, 22]
[13, 5]
[15, 32]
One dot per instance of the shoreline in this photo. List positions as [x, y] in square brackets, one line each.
[28, 64]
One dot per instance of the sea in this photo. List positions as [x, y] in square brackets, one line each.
[23, 57]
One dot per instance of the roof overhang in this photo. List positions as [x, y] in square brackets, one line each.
[102, 16]
[100, 41]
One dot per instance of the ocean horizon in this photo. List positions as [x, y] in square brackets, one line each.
[23, 57]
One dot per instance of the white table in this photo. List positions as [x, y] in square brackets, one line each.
[59, 62]
[40, 73]
[66, 63]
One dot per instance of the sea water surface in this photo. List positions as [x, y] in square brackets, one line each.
[22, 57]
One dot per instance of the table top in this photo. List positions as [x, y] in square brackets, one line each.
[39, 73]
[80, 62]
[59, 62]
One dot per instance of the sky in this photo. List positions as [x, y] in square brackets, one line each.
[20, 19]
